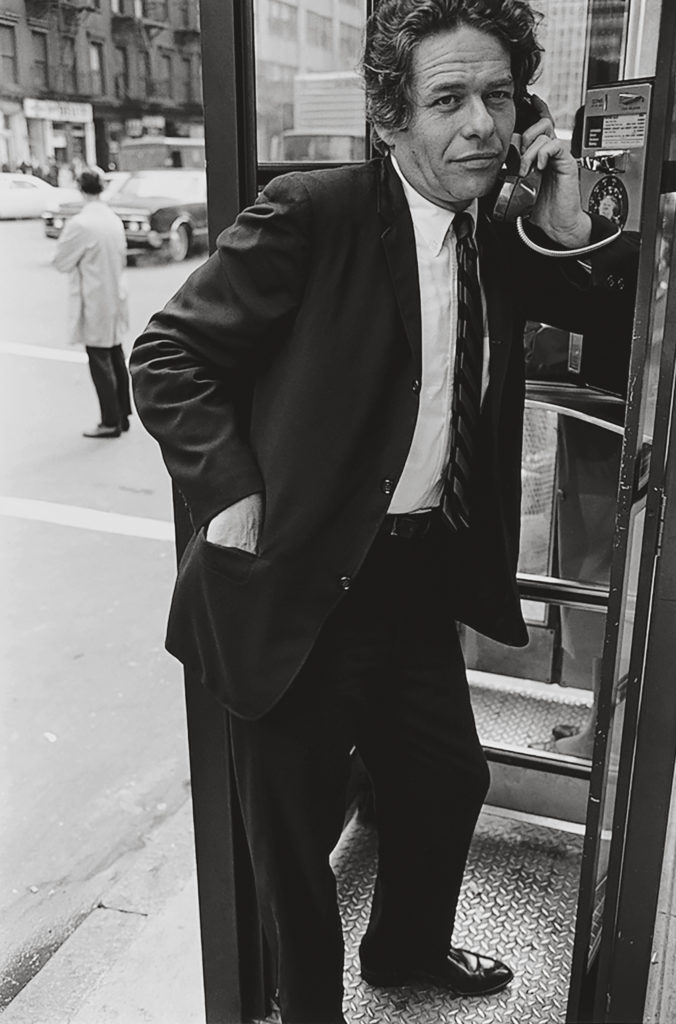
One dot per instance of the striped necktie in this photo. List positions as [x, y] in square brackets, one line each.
[466, 402]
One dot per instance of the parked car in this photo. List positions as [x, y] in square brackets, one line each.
[163, 210]
[24, 195]
[113, 182]
[56, 216]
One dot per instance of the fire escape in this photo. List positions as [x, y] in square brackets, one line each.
[63, 19]
[137, 23]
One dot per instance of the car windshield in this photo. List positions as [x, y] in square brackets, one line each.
[178, 185]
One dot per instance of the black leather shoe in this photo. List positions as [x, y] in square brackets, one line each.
[461, 972]
[124, 424]
[101, 431]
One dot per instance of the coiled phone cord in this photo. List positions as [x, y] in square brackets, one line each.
[563, 253]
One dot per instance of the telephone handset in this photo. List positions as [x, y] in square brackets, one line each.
[516, 195]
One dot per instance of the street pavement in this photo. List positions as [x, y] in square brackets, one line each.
[93, 726]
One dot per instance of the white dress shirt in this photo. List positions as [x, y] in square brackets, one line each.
[421, 483]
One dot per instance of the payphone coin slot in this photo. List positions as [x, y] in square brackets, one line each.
[612, 161]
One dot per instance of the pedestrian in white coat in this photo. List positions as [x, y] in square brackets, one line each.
[93, 250]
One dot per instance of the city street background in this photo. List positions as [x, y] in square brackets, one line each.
[93, 725]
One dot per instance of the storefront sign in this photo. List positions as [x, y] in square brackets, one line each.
[58, 110]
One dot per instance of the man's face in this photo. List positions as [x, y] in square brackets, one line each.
[462, 119]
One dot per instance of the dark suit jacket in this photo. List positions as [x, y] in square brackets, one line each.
[287, 364]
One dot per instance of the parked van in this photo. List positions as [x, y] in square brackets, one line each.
[152, 152]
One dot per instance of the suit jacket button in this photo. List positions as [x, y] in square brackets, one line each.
[345, 582]
[415, 387]
[387, 485]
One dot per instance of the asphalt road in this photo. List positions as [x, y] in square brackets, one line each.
[91, 707]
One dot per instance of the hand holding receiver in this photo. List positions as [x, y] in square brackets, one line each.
[238, 526]
[558, 209]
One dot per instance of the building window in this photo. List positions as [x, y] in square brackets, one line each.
[189, 14]
[350, 42]
[283, 20]
[8, 66]
[319, 30]
[69, 64]
[147, 84]
[185, 80]
[96, 68]
[156, 10]
[121, 72]
[40, 65]
[167, 84]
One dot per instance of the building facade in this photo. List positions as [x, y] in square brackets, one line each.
[77, 76]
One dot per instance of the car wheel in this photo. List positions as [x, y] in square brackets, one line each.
[179, 243]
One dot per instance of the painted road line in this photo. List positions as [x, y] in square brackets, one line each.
[86, 518]
[61, 355]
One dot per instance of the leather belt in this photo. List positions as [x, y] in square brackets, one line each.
[408, 525]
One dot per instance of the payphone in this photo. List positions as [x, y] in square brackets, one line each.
[612, 161]
[612, 166]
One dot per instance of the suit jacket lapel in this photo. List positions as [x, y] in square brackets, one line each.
[399, 244]
[494, 258]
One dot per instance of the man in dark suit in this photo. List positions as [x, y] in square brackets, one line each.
[338, 394]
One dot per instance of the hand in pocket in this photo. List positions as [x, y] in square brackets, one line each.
[238, 526]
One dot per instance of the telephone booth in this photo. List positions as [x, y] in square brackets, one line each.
[569, 871]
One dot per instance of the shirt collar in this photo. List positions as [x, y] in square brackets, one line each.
[431, 222]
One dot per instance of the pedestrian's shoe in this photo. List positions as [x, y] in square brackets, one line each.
[460, 972]
[124, 424]
[101, 431]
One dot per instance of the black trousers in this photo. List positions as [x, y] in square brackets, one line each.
[111, 380]
[387, 675]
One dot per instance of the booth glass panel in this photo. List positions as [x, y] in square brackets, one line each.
[310, 99]
[563, 34]
[569, 477]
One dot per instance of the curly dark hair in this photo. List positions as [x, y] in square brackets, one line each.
[396, 27]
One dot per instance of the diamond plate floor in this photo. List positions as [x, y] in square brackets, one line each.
[519, 718]
[518, 903]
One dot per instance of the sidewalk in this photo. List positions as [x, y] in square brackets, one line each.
[136, 958]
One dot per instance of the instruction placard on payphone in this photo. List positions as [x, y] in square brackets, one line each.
[612, 162]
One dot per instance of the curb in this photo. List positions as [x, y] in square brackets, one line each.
[136, 959]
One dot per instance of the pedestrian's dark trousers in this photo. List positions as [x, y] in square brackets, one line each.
[111, 380]
[386, 675]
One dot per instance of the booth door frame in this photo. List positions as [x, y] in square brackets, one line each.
[611, 986]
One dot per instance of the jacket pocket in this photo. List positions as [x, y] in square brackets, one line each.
[234, 564]
[209, 615]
